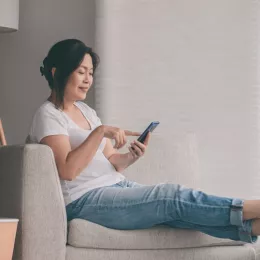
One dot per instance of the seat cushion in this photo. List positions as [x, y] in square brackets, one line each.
[256, 247]
[86, 234]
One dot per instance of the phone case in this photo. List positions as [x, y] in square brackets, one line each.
[150, 128]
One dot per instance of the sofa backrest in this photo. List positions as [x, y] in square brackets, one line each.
[168, 159]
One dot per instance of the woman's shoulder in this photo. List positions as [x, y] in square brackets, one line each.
[47, 120]
[46, 112]
[47, 108]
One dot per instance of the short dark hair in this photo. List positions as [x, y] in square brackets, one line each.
[66, 56]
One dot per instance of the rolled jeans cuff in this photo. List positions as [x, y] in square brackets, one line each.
[245, 232]
[236, 212]
[236, 219]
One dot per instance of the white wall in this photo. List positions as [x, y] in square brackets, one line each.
[192, 65]
[42, 23]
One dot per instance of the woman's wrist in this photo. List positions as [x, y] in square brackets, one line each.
[129, 159]
[122, 161]
[101, 129]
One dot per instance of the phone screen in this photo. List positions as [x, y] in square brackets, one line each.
[150, 128]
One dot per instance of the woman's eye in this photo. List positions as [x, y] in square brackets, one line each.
[80, 72]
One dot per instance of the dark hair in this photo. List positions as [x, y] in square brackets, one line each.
[65, 56]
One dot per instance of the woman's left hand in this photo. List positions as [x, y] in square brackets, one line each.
[137, 149]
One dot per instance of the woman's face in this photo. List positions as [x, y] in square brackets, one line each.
[80, 80]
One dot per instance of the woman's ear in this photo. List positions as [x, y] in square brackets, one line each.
[53, 72]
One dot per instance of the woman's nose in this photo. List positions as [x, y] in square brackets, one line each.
[86, 79]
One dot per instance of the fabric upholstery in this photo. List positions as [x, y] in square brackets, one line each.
[168, 160]
[203, 253]
[29, 179]
[90, 235]
[30, 191]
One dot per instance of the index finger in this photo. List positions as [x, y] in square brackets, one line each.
[130, 133]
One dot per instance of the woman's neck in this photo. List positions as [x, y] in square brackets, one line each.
[67, 105]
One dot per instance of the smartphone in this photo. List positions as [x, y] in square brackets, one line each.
[150, 128]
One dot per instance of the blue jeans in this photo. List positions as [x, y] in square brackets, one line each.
[129, 205]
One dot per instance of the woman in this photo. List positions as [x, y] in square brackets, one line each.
[90, 166]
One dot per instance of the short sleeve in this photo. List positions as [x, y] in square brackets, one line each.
[46, 123]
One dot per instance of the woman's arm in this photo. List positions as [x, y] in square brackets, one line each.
[122, 161]
[69, 162]
[118, 160]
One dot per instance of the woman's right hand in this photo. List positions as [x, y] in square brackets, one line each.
[117, 134]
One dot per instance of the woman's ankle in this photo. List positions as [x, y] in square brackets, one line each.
[251, 209]
[256, 227]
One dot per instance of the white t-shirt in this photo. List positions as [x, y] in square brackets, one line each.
[100, 172]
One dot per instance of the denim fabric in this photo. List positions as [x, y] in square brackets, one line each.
[129, 205]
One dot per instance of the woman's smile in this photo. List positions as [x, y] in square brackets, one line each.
[84, 89]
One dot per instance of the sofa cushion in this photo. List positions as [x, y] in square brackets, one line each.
[86, 234]
[256, 247]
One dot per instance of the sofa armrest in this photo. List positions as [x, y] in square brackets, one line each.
[30, 191]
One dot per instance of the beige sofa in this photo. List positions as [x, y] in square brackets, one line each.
[30, 190]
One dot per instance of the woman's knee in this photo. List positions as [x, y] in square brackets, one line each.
[167, 190]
